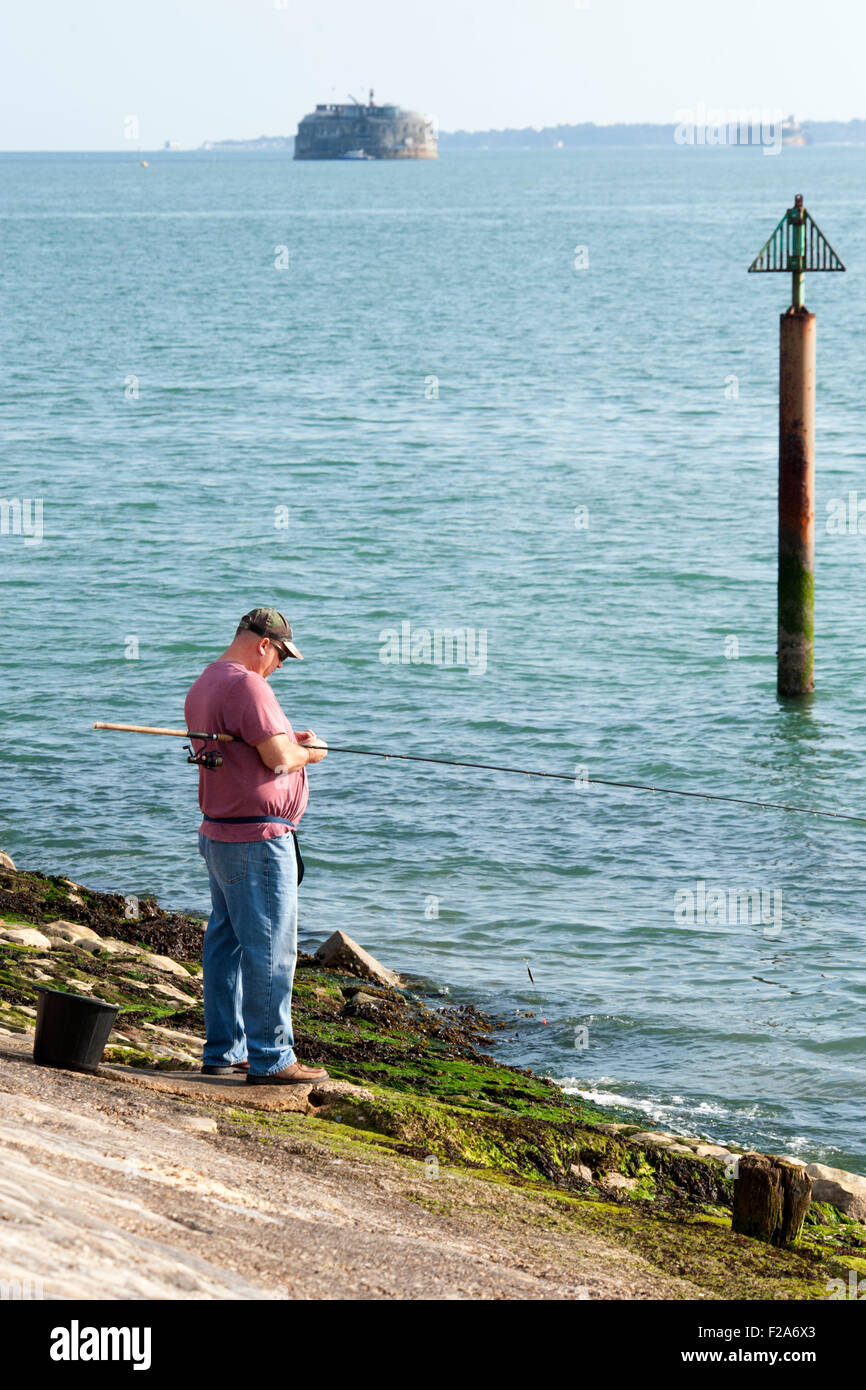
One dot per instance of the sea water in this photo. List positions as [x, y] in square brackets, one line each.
[498, 434]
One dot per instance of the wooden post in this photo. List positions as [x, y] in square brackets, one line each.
[795, 660]
[771, 1198]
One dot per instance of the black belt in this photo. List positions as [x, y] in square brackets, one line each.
[251, 820]
[258, 820]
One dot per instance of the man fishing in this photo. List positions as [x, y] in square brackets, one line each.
[252, 805]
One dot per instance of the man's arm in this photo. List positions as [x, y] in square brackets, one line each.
[280, 751]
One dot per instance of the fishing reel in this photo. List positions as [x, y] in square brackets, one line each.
[209, 761]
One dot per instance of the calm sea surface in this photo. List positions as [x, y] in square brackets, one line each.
[405, 359]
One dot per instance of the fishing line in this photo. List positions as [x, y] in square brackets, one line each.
[516, 771]
[600, 782]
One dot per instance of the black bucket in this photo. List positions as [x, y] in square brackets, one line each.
[71, 1030]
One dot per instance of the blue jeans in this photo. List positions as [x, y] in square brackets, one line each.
[250, 950]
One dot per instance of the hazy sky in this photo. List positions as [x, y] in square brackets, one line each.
[194, 70]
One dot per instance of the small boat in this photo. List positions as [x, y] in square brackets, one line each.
[355, 154]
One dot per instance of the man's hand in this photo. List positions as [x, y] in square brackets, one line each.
[308, 736]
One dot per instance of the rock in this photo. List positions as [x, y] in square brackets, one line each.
[112, 947]
[165, 1054]
[580, 1170]
[199, 1124]
[176, 1033]
[614, 1128]
[103, 946]
[771, 1198]
[340, 952]
[847, 1191]
[653, 1136]
[170, 992]
[618, 1182]
[362, 1005]
[323, 1092]
[713, 1151]
[171, 967]
[26, 936]
[83, 943]
[73, 896]
[160, 1057]
[70, 931]
[331, 1087]
[686, 1149]
[6, 861]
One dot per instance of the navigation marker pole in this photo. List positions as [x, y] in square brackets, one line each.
[797, 245]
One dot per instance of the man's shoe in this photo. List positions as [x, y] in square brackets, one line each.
[295, 1075]
[225, 1071]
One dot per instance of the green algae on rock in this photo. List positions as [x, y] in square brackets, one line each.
[35, 899]
[433, 1096]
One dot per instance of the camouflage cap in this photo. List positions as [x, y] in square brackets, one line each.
[270, 623]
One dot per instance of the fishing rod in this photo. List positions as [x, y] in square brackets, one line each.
[216, 761]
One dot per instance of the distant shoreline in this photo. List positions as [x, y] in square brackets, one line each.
[585, 135]
[252, 147]
[588, 135]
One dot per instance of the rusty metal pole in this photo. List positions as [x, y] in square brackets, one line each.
[796, 246]
[796, 650]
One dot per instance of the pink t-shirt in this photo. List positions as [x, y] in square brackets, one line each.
[229, 699]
